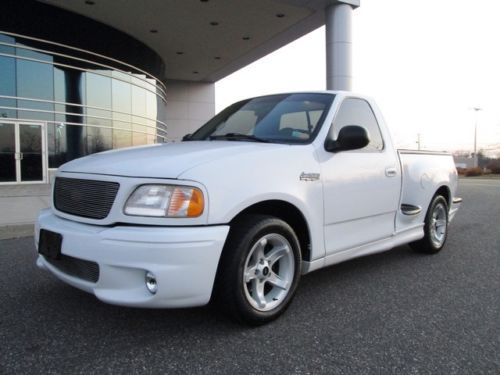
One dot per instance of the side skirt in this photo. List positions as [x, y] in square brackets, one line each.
[400, 238]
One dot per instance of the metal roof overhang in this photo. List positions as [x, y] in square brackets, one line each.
[206, 40]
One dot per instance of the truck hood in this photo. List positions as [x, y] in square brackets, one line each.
[168, 160]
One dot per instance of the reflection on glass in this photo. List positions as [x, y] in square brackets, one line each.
[120, 107]
[139, 108]
[7, 153]
[122, 138]
[57, 142]
[151, 130]
[76, 137]
[98, 139]
[7, 86]
[98, 90]
[35, 81]
[7, 49]
[59, 85]
[20, 51]
[122, 102]
[151, 113]
[140, 80]
[121, 76]
[98, 95]
[139, 139]
[30, 142]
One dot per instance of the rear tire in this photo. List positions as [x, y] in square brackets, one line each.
[259, 269]
[435, 228]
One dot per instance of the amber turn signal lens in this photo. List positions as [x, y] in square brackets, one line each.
[196, 204]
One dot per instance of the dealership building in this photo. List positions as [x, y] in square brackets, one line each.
[83, 76]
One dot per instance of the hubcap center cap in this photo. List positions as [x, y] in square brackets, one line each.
[263, 271]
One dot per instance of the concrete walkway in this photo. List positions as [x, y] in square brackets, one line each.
[19, 207]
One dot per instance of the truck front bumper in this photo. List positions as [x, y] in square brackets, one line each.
[183, 260]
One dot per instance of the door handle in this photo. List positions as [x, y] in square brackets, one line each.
[391, 172]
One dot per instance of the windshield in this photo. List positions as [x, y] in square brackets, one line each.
[286, 118]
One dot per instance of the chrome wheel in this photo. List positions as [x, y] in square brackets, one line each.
[438, 225]
[269, 272]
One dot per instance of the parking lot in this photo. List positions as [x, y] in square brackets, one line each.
[395, 312]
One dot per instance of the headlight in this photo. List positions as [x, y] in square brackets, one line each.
[165, 201]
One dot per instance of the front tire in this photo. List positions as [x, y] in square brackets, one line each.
[435, 228]
[259, 270]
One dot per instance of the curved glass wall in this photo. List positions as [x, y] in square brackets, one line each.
[89, 102]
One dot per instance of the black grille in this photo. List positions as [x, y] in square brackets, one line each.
[79, 268]
[86, 198]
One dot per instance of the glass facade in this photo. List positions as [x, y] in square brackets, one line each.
[87, 102]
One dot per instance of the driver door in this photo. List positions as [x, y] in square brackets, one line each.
[361, 187]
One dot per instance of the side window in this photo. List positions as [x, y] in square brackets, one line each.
[358, 112]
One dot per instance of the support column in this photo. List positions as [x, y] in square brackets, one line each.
[189, 106]
[338, 19]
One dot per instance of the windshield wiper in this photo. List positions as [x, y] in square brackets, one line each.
[238, 136]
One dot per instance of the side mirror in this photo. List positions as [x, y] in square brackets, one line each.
[351, 137]
[186, 137]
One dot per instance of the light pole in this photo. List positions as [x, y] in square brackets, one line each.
[476, 110]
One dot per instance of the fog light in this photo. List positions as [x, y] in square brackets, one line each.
[151, 282]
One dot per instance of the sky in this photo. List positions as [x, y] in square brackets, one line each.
[425, 62]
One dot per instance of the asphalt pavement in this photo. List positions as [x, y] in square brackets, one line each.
[396, 312]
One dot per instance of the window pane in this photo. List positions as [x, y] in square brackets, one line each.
[35, 81]
[7, 86]
[122, 100]
[32, 54]
[358, 112]
[67, 142]
[98, 139]
[122, 105]
[151, 108]
[57, 142]
[59, 85]
[60, 94]
[7, 49]
[139, 108]
[7, 150]
[151, 113]
[30, 142]
[122, 138]
[98, 90]
[99, 95]
[76, 140]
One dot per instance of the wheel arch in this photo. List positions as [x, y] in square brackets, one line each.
[445, 192]
[426, 244]
[287, 212]
[442, 190]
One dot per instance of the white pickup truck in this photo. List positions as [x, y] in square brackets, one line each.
[270, 189]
